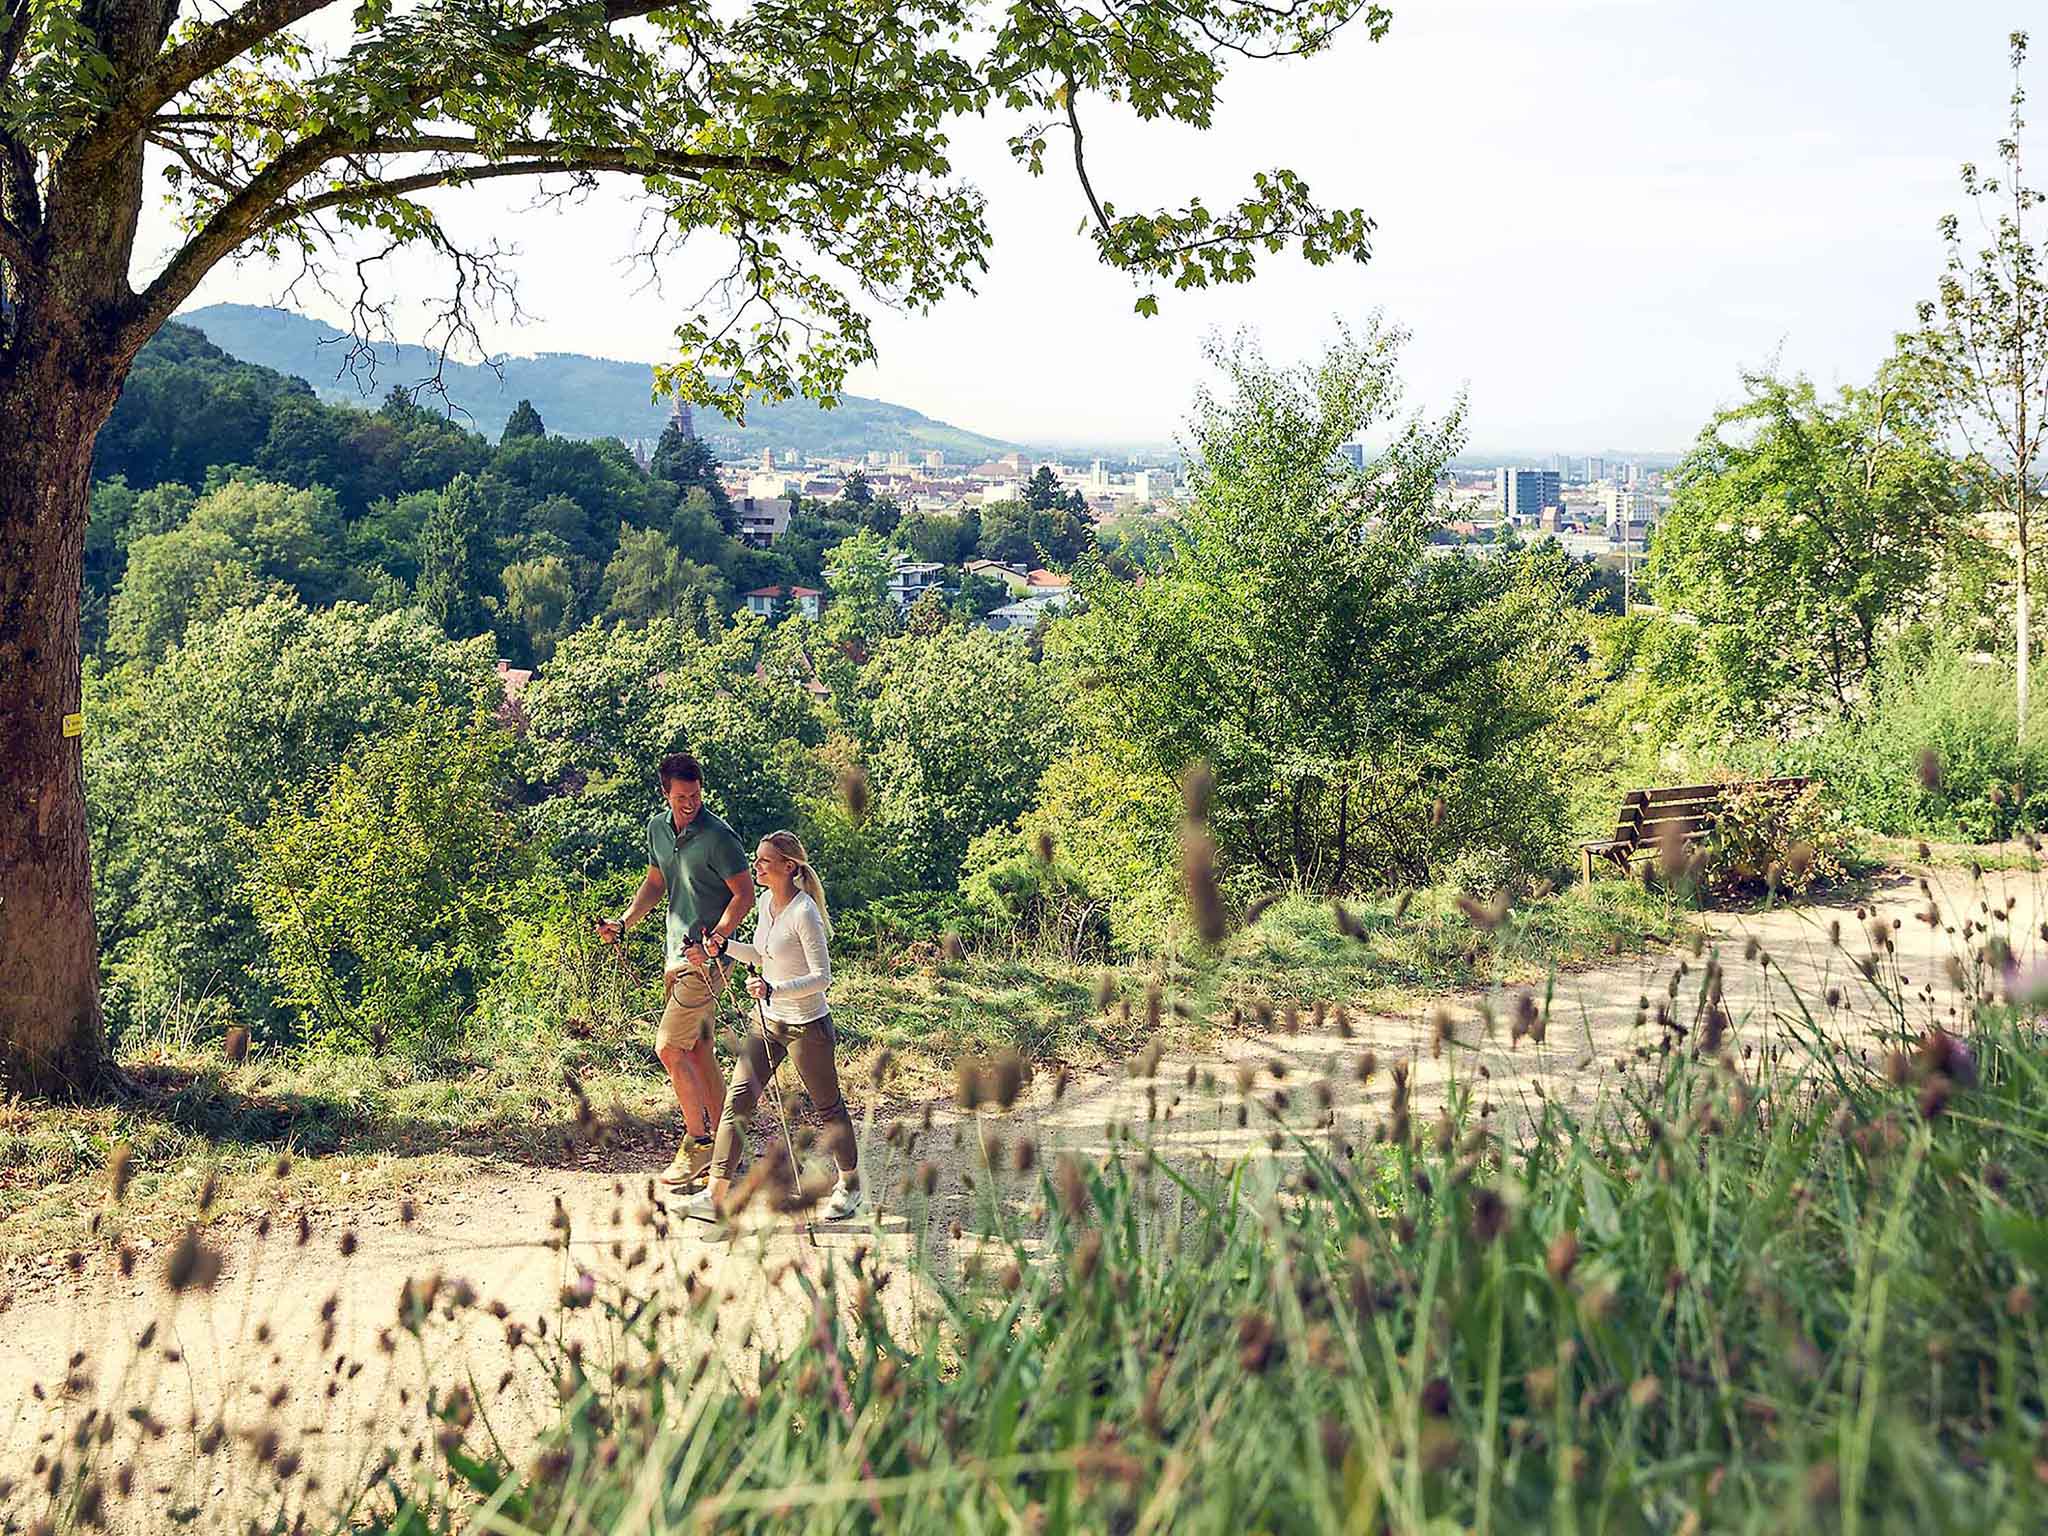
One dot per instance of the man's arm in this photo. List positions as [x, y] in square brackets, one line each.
[652, 888]
[738, 906]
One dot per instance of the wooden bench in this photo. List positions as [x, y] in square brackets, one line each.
[1650, 818]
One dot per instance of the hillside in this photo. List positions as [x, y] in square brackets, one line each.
[577, 396]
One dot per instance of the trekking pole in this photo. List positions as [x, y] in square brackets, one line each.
[773, 1088]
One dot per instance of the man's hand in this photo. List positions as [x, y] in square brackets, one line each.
[695, 956]
[610, 929]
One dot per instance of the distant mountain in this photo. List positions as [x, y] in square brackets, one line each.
[576, 396]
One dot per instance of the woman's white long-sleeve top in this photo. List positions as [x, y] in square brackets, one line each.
[789, 950]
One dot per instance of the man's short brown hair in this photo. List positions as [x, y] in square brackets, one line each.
[680, 765]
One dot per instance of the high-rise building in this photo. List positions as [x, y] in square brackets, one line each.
[1524, 493]
[935, 459]
[1596, 470]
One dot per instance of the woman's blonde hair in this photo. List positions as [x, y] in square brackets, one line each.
[791, 847]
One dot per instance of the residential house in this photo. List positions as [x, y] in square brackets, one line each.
[911, 579]
[767, 601]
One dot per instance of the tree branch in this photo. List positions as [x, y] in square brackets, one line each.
[208, 49]
[403, 186]
[232, 36]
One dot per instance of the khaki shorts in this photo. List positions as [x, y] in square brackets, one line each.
[689, 1004]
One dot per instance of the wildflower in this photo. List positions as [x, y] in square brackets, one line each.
[191, 1264]
[1489, 1214]
[1087, 1256]
[1257, 1343]
[1006, 1078]
[853, 792]
[1198, 875]
[120, 1169]
[1563, 1256]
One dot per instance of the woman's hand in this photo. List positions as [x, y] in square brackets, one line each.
[757, 987]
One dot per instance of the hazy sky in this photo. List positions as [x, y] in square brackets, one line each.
[1592, 215]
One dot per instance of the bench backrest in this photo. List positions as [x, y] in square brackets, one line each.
[1650, 815]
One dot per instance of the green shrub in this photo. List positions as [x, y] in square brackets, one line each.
[1791, 844]
[1986, 787]
[383, 904]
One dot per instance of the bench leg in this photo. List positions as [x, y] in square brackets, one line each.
[1586, 865]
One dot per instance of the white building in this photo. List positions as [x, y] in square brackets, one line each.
[912, 578]
[762, 520]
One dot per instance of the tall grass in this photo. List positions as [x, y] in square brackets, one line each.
[1766, 1283]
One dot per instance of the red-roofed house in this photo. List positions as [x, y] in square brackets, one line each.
[766, 600]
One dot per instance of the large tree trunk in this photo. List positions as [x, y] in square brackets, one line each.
[54, 398]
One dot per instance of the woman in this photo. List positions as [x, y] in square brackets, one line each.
[793, 969]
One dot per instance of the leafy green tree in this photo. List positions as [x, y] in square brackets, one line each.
[1984, 346]
[948, 538]
[647, 579]
[1018, 534]
[1302, 642]
[540, 597]
[523, 422]
[959, 725]
[615, 699]
[255, 712]
[859, 611]
[271, 534]
[454, 556]
[382, 900]
[165, 588]
[1042, 493]
[387, 536]
[688, 464]
[883, 515]
[809, 536]
[758, 124]
[980, 596]
[857, 492]
[1804, 536]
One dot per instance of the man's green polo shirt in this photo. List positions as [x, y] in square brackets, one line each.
[695, 867]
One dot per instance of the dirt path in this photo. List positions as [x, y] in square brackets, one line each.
[289, 1339]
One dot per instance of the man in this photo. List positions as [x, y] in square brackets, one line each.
[698, 863]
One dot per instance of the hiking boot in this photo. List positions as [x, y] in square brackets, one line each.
[691, 1162]
[844, 1201]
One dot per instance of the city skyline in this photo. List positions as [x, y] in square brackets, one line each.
[1592, 215]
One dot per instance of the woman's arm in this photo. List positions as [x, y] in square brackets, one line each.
[810, 934]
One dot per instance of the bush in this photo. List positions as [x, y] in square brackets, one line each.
[1047, 905]
[1986, 786]
[383, 904]
[1791, 844]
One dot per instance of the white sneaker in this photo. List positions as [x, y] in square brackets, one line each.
[697, 1206]
[844, 1201]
